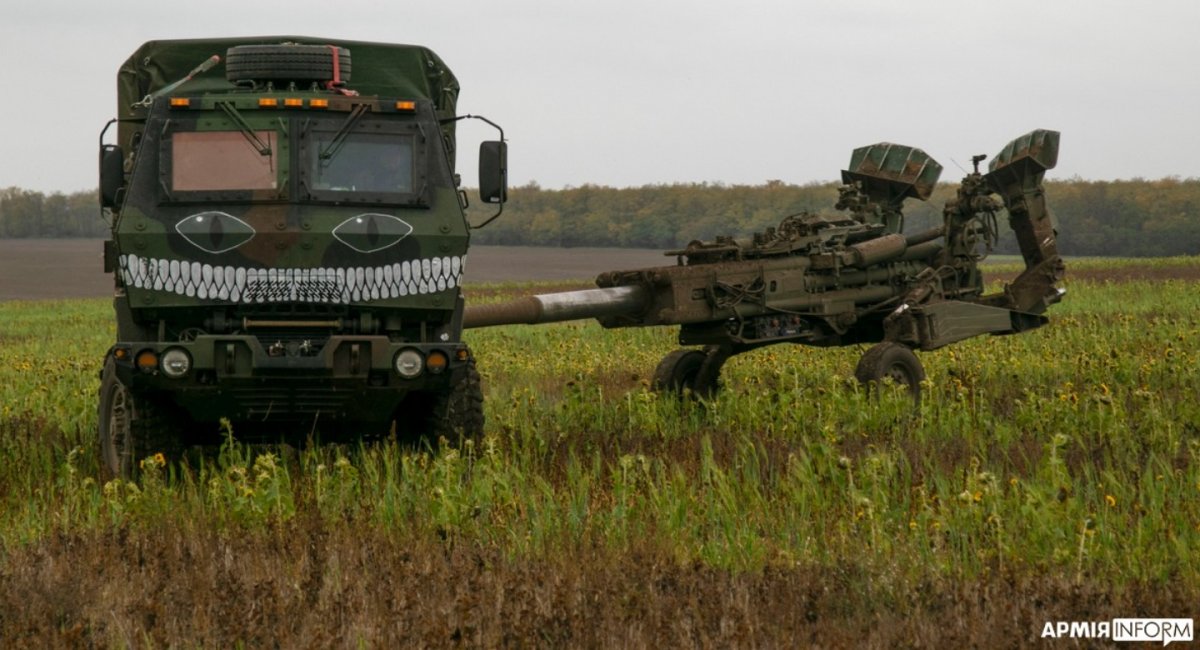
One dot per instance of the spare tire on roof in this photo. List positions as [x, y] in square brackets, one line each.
[285, 62]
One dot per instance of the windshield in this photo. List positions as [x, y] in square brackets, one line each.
[222, 160]
[362, 163]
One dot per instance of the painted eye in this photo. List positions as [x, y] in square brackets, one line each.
[215, 232]
[371, 232]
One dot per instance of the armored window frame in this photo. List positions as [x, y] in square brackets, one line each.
[274, 137]
[313, 132]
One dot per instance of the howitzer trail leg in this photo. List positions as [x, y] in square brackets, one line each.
[1016, 175]
[944, 305]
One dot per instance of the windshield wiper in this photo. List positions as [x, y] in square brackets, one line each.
[252, 137]
[344, 130]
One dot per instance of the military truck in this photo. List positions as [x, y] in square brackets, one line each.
[288, 244]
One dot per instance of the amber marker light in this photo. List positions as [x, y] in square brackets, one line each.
[319, 103]
[267, 102]
[293, 102]
[147, 360]
[121, 354]
[406, 106]
[436, 362]
[462, 354]
[180, 102]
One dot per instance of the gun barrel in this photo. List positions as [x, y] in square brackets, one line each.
[924, 236]
[556, 307]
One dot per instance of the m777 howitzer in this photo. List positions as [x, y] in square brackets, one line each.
[840, 280]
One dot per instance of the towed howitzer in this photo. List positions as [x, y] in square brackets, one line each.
[848, 279]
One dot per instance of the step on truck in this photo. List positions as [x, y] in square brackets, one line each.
[288, 245]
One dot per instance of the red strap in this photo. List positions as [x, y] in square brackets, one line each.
[337, 69]
[336, 84]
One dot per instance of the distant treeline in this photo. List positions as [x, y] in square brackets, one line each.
[1119, 218]
[26, 214]
[1136, 218]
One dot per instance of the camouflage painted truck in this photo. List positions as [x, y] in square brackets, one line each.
[288, 237]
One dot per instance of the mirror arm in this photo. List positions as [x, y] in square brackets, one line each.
[500, 209]
[475, 117]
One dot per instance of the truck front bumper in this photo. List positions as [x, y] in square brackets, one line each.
[251, 378]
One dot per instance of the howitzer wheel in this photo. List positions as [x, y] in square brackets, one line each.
[132, 428]
[684, 370]
[894, 362]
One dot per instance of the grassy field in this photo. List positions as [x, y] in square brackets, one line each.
[1048, 476]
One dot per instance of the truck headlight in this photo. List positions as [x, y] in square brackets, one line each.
[175, 362]
[409, 363]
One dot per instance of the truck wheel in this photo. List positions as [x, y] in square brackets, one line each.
[680, 371]
[131, 428]
[888, 360]
[287, 62]
[458, 414]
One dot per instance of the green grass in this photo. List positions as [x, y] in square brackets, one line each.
[1072, 451]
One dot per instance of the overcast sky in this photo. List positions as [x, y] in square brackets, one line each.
[627, 93]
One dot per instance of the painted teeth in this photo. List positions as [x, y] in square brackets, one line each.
[334, 285]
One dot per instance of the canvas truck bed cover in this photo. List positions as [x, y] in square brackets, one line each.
[383, 69]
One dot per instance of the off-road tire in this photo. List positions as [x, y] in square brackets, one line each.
[679, 372]
[889, 360]
[457, 415]
[131, 428]
[285, 62]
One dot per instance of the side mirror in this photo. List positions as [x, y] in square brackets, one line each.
[112, 174]
[493, 171]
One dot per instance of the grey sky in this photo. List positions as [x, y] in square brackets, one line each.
[621, 92]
